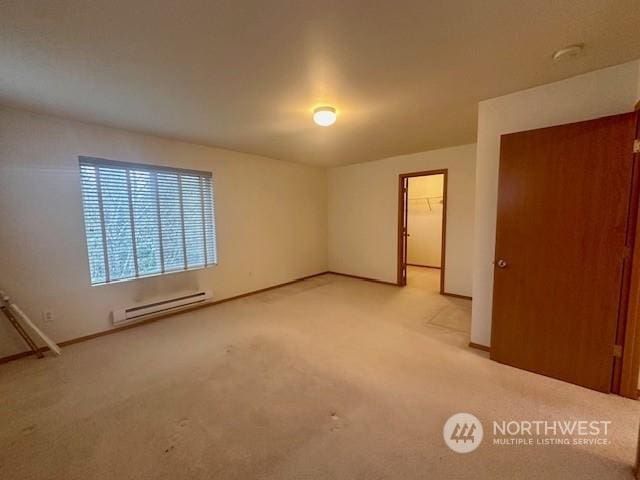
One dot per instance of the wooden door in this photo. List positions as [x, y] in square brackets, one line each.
[404, 228]
[563, 241]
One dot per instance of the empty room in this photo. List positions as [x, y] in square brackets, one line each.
[305, 240]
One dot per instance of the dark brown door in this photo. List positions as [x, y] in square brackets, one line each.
[562, 243]
[405, 227]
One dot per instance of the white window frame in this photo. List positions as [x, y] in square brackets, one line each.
[210, 248]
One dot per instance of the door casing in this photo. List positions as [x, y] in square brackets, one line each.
[402, 217]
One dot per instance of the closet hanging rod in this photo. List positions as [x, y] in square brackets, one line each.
[426, 198]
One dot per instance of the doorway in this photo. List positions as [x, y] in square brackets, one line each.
[422, 212]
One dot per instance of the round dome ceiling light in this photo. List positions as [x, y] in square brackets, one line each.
[568, 53]
[324, 116]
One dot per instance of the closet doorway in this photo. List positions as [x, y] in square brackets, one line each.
[422, 220]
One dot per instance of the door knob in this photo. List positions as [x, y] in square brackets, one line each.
[501, 263]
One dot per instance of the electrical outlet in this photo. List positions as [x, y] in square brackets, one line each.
[47, 316]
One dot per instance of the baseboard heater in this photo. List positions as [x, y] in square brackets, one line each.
[130, 314]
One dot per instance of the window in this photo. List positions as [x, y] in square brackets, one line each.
[143, 220]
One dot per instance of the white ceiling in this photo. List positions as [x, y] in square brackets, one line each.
[405, 75]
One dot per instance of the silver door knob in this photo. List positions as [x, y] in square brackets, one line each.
[501, 263]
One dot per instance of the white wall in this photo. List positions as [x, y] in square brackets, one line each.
[596, 94]
[271, 222]
[363, 214]
[424, 220]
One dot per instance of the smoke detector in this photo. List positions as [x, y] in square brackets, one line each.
[568, 53]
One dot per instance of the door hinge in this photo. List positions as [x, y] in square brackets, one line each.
[617, 351]
[636, 145]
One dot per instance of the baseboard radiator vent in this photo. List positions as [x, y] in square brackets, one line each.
[136, 312]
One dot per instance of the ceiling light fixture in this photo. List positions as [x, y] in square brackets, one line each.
[568, 53]
[324, 116]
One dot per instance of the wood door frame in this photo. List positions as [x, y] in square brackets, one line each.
[401, 212]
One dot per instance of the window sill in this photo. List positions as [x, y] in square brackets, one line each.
[153, 275]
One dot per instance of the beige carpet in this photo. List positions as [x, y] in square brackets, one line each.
[331, 378]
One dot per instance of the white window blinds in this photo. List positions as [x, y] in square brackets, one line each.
[144, 220]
